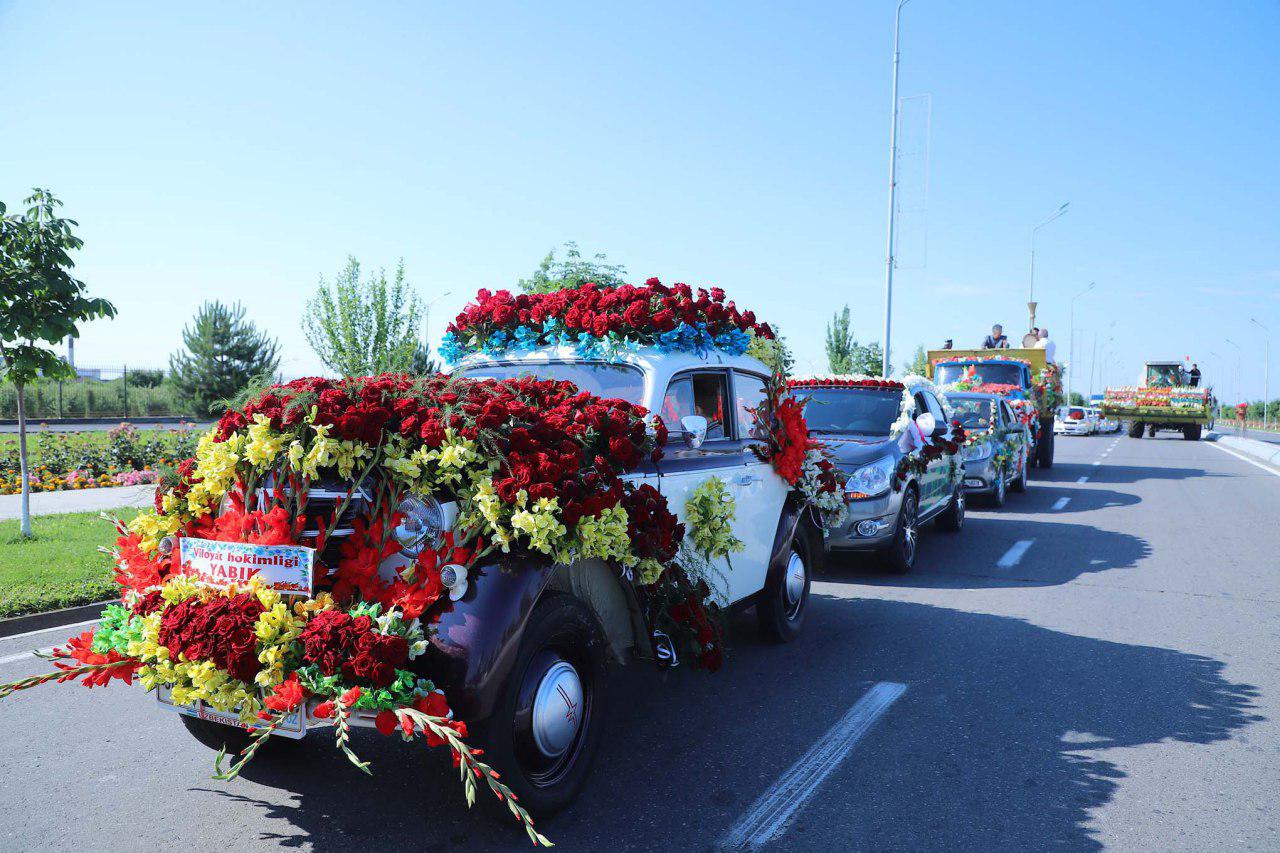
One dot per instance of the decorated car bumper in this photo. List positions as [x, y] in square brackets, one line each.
[871, 524]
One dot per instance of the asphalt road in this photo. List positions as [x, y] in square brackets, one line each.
[1115, 687]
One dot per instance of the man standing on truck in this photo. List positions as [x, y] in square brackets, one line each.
[1195, 375]
[1049, 347]
[996, 340]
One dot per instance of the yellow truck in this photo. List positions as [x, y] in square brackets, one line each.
[1164, 401]
[1032, 384]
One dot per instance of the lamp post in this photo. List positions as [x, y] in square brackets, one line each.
[893, 192]
[1071, 356]
[1266, 382]
[1031, 292]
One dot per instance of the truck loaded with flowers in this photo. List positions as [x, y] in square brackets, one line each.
[1164, 401]
[1032, 385]
[455, 558]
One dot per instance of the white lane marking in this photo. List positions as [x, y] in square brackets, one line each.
[47, 630]
[1097, 462]
[1083, 479]
[1062, 502]
[22, 656]
[1244, 458]
[1015, 554]
[768, 816]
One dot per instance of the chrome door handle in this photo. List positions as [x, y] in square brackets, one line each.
[747, 479]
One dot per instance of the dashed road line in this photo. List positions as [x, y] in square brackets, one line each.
[1015, 554]
[1097, 462]
[1083, 479]
[22, 656]
[768, 816]
[1061, 503]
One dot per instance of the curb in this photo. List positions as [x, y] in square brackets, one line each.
[51, 618]
[1260, 450]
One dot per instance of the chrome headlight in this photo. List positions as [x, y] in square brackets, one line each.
[978, 452]
[424, 523]
[872, 480]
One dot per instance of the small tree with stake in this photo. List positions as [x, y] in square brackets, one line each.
[224, 353]
[362, 327]
[40, 303]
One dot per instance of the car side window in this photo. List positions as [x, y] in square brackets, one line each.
[704, 394]
[934, 408]
[748, 391]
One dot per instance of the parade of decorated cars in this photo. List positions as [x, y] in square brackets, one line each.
[601, 475]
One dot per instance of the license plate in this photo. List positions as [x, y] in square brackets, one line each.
[294, 725]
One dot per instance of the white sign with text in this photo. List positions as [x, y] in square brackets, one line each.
[284, 568]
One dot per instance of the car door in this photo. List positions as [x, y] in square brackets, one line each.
[706, 392]
[935, 485]
[761, 493]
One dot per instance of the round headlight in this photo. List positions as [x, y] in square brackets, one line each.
[421, 526]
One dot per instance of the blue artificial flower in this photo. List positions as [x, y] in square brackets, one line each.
[497, 343]
[526, 337]
[451, 349]
[669, 341]
[733, 342]
[587, 346]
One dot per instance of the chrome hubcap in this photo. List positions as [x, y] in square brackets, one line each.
[557, 709]
[794, 586]
[909, 532]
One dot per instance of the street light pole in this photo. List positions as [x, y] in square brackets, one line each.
[1071, 355]
[1266, 382]
[1031, 293]
[893, 193]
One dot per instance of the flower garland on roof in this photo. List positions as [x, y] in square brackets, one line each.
[601, 322]
[964, 359]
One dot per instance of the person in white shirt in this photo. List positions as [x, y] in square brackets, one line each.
[1049, 347]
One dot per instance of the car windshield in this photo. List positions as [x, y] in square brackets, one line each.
[618, 381]
[988, 373]
[860, 411]
[973, 413]
[1164, 375]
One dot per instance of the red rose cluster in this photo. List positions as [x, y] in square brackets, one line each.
[220, 630]
[337, 642]
[627, 310]
[654, 531]
[841, 382]
[690, 611]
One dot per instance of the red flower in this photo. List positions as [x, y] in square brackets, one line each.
[287, 695]
[386, 722]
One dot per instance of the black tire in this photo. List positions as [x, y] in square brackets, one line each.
[1044, 453]
[900, 556]
[997, 496]
[1191, 432]
[952, 520]
[1135, 429]
[560, 631]
[218, 736]
[1020, 482]
[1151, 431]
[782, 608]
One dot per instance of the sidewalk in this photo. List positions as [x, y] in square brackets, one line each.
[1261, 450]
[80, 500]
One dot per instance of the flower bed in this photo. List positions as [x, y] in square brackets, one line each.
[123, 456]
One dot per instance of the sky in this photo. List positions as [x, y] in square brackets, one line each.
[241, 152]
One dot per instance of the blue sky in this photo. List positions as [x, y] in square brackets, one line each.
[240, 153]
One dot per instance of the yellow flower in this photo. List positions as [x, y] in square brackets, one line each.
[264, 444]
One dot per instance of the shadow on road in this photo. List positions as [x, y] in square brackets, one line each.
[1060, 553]
[1087, 500]
[1068, 472]
[987, 749]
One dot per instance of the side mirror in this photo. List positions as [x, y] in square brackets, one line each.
[940, 431]
[694, 428]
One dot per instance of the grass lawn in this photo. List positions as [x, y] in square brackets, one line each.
[61, 566]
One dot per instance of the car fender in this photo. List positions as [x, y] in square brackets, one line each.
[797, 519]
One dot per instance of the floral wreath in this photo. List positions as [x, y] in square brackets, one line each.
[603, 321]
[1178, 397]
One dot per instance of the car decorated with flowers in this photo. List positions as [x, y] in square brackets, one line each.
[997, 447]
[1032, 384]
[455, 558]
[897, 445]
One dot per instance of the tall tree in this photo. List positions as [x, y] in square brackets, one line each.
[868, 359]
[919, 362]
[224, 353]
[574, 270]
[40, 304]
[361, 327]
[840, 343]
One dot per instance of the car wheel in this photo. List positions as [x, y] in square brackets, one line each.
[952, 520]
[1045, 453]
[546, 725]
[233, 740]
[782, 609]
[1019, 483]
[900, 556]
[999, 492]
[1151, 431]
[1135, 429]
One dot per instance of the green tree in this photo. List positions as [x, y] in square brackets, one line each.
[868, 359]
[424, 362]
[840, 343]
[224, 353]
[364, 327]
[574, 270]
[40, 305]
[918, 364]
[1076, 399]
[775, 353]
